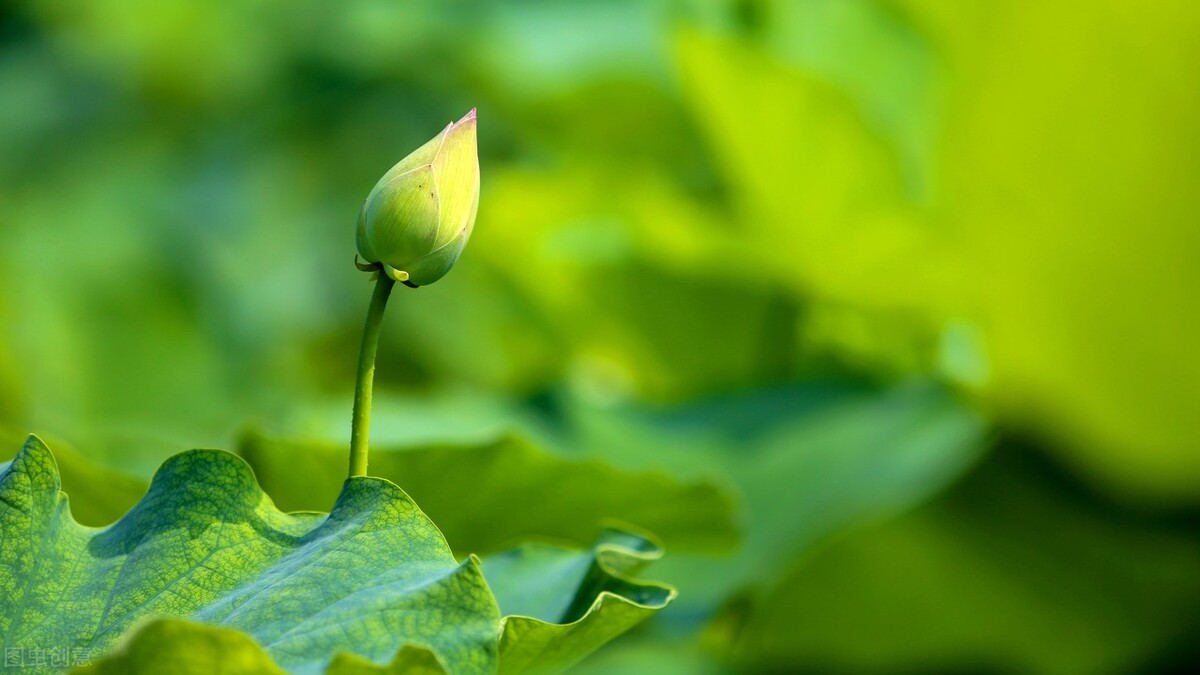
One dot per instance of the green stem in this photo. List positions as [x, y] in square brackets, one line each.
[360, 424]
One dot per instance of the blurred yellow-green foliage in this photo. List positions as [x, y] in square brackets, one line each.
[818, 250]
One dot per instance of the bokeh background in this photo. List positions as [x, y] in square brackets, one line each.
[911, 284]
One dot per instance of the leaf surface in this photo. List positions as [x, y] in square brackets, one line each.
[208, 544]
[561, 604]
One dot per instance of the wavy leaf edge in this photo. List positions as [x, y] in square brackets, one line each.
[611, 557]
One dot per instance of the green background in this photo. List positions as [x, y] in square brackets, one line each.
[914, 282]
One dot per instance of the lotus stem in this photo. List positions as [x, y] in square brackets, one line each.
[360, 423]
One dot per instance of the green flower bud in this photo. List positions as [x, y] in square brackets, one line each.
[419, 216]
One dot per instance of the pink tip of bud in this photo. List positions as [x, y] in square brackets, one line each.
[470, 116]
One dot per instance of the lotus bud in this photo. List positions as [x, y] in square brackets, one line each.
[418, 217]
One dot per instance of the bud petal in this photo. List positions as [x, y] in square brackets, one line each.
[419, 216]
[435, 265]
[422, 155]
[457, 169]
[401, 223]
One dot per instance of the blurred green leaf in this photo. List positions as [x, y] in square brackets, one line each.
[878, 55]
[409, 660]
[819, 197]
[184, 648]
[1061, 235]
[1014, 570]
[808, 461]
[1069, 167]
[485, 496]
